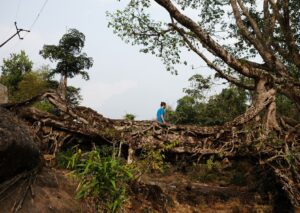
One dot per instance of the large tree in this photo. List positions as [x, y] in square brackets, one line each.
[70, 59]
[253, 44]
[250, 43]
[13, 70]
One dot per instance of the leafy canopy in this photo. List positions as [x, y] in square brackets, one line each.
[138, 24]
[219, 108]
[23, 82]
[68, 54]
[32, 84]
[13, 70]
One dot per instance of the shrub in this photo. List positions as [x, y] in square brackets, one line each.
[102, 177]
[129, 117]
[153, 159]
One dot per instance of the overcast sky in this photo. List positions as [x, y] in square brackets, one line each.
[122, 80]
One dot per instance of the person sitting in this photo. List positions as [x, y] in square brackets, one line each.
[160, 116]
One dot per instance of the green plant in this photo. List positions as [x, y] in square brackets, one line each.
[153, 159]
[45, 106]
[102, 177]
[129, 117]
[212, 164]
[209, 163]
[207, 171]
[64, 158]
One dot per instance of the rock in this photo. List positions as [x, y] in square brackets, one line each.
[18, 152]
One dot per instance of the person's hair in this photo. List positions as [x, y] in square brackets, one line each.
[163, 104]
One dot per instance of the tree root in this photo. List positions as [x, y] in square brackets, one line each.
[25, 180]
[241, 137]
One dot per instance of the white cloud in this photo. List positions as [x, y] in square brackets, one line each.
[95, 94]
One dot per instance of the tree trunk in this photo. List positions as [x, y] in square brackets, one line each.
[264, 91]
[63, 87]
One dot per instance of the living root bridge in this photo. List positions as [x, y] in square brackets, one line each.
[244, 136]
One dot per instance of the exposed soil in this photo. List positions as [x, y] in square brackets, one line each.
[172, 191]
[177, 193]
[52, 191]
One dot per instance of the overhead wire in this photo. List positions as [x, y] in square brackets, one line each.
[18, 8]
[38, 15]
[8, 32]
[33, 23]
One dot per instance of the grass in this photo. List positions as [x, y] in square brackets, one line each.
[101, 176]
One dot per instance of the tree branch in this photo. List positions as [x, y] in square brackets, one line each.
[269, 23]
[264, 51]
[293, 54]
[207, 40]
[208, 62]
[253, 23]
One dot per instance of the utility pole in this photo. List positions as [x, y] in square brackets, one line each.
[17, 33]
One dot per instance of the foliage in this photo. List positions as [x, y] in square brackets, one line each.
[70, 59]
[130, 26]
[187, 110]
[136, 24]
[129, 116]
[219, 108]
[224, 107]
[63, 158]
[46, 106]
[100, 176]
[211, 163]
[73, 96]
[153, 159]
[32, 84]
[198, 86]
[24, 83]
[14, 69]
[287, 108]
[170, 115]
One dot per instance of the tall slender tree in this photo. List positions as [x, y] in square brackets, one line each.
[70, 59]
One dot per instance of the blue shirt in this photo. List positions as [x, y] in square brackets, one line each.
[160, 112]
